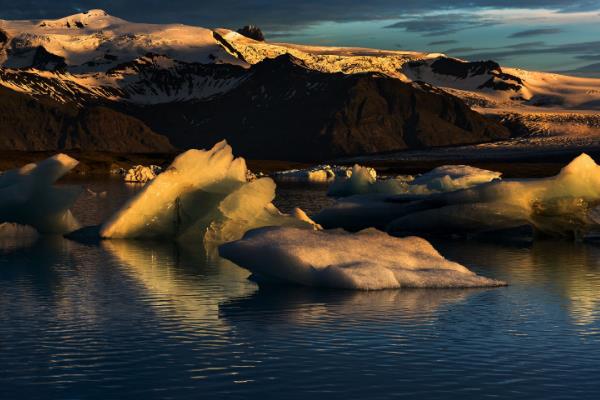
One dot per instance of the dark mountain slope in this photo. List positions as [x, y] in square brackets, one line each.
[284, 110]
[41, 124]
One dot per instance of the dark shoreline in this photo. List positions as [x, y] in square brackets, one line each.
[518, 165]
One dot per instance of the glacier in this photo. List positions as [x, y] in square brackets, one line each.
[29, 197]
[367, 260]
[203, 195]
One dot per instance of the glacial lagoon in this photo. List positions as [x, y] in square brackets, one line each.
[132, 319]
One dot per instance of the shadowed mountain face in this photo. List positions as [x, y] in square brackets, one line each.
[284, 110]
[278, 108]
[35, 125]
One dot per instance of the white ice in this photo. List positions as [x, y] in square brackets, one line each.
[442, 179]
[565, 205]
[28, 196]
[367, 260]
[317, 174]
[203, 195]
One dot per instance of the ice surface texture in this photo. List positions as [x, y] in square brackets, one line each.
[367, 260]
[203, 195]
[28, 196]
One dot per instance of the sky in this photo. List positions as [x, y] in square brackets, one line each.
[549, 35]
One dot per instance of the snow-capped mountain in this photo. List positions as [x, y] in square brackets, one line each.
[214, 83]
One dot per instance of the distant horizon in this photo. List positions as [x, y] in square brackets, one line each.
[545, 35]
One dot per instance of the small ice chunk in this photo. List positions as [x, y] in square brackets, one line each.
[442, 179]
[140, 174]
[317, 174]
[366, 260]
[28, 196]
[449, 178]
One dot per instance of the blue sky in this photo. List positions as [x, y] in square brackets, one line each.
[555, 35]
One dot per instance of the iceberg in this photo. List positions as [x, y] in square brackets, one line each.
[317, 174]
[446, 178]
[565, 205]
[367, 260]
[449, 178]
[142, 174]
[203, 195]
[29, 197]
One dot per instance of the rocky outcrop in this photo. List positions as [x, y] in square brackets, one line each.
[252, 32]
[285, 110]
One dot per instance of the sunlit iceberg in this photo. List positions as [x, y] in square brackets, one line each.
[203, 195]
[140, 174]
[28, 196]
[565, 205]
[366, 260]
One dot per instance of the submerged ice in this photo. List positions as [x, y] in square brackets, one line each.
[203, 195]
[29, 197]
[367, 260]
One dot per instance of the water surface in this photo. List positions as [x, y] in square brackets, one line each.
[127, 319]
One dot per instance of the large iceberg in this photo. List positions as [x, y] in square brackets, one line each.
[366, 260]
[203, 195]
[565, 205]
[28, 196]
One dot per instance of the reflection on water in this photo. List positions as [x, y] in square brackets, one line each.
[569, 270]
[127, 319]
[181, 277]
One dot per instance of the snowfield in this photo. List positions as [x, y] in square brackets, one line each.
[103, 56]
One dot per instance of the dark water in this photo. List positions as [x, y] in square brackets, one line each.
[130, 320]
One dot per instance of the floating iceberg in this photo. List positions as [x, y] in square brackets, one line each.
[449, 178]
[28, 196]
[142, 174]
[442, 179]
[204, 194]
[318, 174]
[565, 205]
[366, 260]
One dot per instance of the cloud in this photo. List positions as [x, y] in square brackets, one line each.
[589, 57]
[433, 25]
[578, 50]
[440, 42]
[273, 14]
[536, 32]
